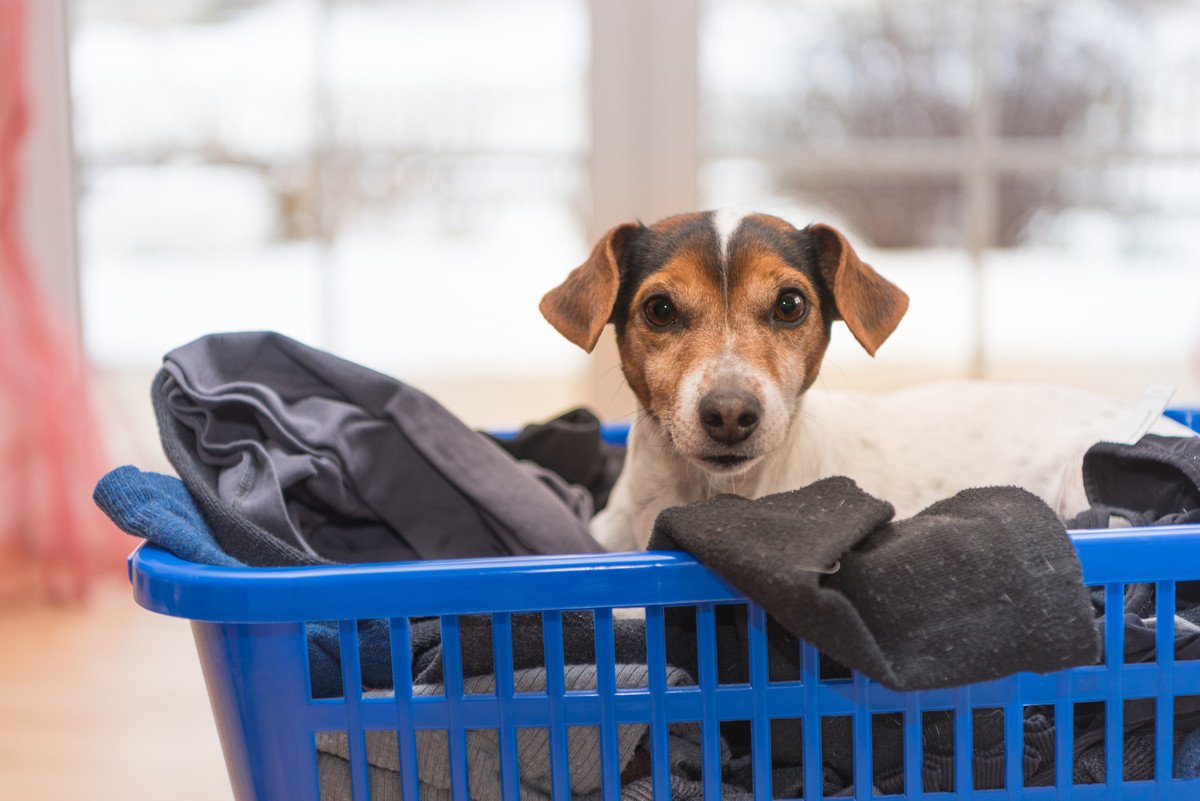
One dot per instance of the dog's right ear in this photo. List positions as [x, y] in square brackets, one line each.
[580, 306]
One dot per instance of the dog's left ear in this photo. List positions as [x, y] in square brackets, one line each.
[870, 304]
[581, 305]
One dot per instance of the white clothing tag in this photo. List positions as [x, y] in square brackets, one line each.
[1143, 415]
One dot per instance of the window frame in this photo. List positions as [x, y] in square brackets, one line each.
[49, 193]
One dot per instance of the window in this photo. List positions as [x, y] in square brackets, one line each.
[1027, 170]
[395, 180]
[400, 180]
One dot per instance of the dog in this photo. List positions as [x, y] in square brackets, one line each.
[722, 321]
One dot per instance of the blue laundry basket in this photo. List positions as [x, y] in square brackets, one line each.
[250, 631]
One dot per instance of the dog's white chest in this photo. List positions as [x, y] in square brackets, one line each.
[911, 447]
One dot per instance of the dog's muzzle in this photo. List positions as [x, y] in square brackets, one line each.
[729, 416]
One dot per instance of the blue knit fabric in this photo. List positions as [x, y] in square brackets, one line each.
[160, 510]
[1187, 757]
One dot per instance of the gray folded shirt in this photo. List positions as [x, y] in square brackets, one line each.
[298, 457]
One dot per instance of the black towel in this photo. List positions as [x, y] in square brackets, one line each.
[978, 586]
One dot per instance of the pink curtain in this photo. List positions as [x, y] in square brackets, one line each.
[52, 538]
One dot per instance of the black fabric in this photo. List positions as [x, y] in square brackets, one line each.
[475, 636]
[298, 457]
[937, 749]
[571, 446]
[978, 586]
[1140, 623]
[1137, 761]
[1155, 481]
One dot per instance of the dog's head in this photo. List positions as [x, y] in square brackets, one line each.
[722, 321]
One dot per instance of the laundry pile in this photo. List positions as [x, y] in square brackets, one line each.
[988, 763]
[295, 456]
[291, 456]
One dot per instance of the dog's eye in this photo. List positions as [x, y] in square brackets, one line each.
[660, 311]
[790, 306]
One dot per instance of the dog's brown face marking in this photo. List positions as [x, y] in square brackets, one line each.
[751, 301]
[760, 276]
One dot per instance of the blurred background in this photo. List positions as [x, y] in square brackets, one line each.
[399, 181]
[361, 173]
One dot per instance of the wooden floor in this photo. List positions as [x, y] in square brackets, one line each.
[104, 701]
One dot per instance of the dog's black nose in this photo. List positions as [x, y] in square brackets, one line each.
[729, 416]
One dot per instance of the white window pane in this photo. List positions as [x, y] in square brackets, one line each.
[194, 122]
[136, 308]
[397, 180]
[1136, 211]
[444, 275]
[225, 80]
[460, 75]
[457, 198]
[176, 251]
[1098, 74]
[777, 74]
[1105, 275]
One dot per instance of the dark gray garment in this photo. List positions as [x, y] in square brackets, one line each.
[576, 498]
[1138, 718]
[1154, 482]
[298, 457]
[475, 633]
[571, 445]
[978, 586]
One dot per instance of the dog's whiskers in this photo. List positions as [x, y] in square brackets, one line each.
[623, 385]
[838, 367]
[605, 373]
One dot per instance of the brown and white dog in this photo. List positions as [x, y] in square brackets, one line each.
[722, 321]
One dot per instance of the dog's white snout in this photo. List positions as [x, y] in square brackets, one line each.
[727, 415]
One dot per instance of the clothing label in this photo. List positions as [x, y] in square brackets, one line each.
[1144, 414]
